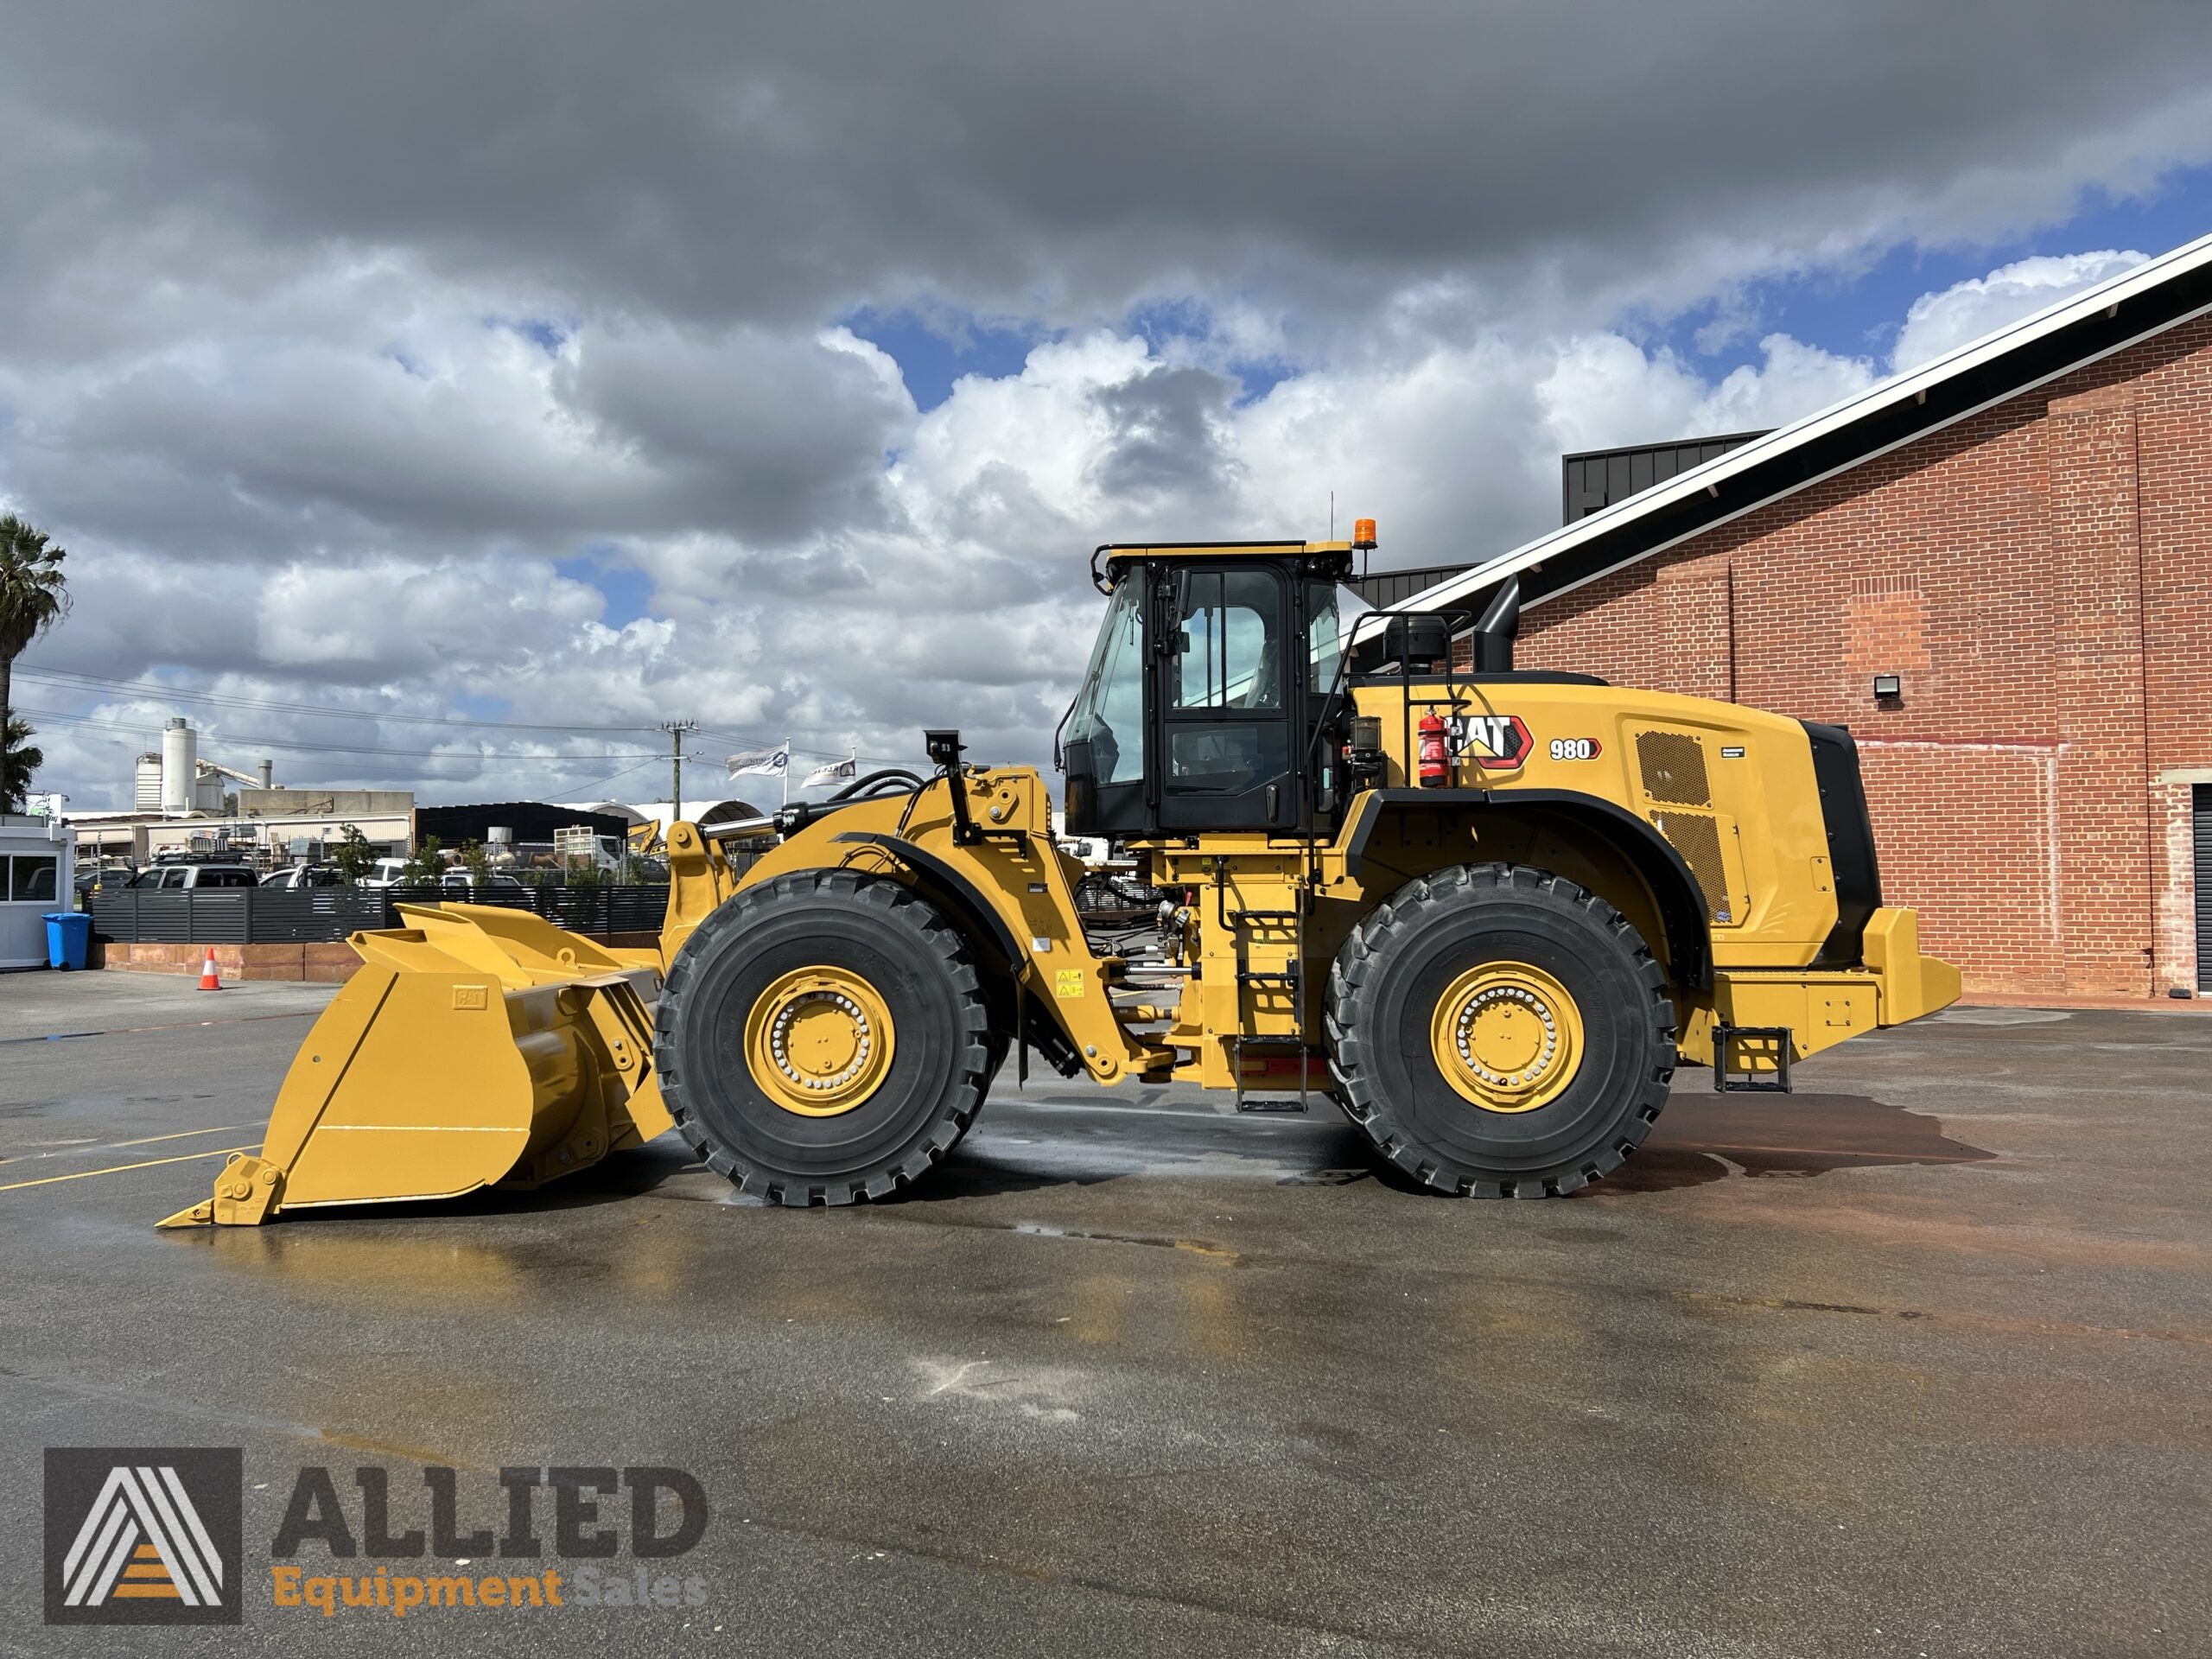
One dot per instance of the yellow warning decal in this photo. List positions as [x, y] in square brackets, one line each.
[1067, 984]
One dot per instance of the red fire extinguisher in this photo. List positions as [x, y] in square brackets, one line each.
[1435, 763]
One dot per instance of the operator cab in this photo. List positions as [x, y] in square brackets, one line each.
[1212, 670]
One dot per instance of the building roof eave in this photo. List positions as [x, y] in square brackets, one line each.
[2148, 299]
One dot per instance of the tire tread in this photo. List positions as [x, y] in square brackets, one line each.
[1389, 927]
[899, 907]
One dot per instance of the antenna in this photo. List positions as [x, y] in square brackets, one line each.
[1333, 515]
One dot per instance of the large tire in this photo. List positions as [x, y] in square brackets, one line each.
[756, 957]
[1454, 948]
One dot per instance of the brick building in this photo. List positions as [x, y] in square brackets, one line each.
[2021, 535]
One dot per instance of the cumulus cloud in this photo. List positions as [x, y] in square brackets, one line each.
[342, 347]
[843, 569]
[1963, 312]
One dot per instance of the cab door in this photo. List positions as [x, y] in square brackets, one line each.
[1223, 703]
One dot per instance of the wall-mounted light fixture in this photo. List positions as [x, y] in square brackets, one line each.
[1889, 688]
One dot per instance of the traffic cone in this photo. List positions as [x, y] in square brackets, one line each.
[209, 979]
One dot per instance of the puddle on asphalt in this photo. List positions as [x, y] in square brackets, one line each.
[1190, 1246]
[1708, 1138]
[1700, 1138]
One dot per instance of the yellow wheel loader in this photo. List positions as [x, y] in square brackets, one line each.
[1485, 910]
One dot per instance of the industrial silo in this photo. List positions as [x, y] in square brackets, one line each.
[180, 767]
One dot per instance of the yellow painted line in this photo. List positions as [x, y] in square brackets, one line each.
[115, 1146]
[182, 1134]
[117, 1169]
[132, 1031]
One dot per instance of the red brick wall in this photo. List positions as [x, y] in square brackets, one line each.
[2040, 577]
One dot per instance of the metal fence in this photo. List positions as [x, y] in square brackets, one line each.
[318, 915]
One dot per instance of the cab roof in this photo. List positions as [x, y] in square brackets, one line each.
[1337, 553]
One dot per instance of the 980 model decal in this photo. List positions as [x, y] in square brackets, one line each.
[1501, 742]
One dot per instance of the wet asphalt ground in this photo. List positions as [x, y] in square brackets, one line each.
[1917, 1361]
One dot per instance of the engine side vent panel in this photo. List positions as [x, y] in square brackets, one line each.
[1673, 764]
[1697, 838]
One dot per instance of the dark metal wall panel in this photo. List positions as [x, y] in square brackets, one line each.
[532, 821]
[1598, 478]
[324, 915]
[1387, 588]
[315, 915]
[2201, 799]
[188, 918]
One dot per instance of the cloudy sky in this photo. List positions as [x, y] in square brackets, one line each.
[440, 395]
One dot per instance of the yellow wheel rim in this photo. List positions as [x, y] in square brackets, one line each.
[1507, 1036]
[819, 1041]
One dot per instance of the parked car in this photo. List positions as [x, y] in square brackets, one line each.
[109, 877]
[391, 873]
[466, 882]
[174, 878]
[300, 877]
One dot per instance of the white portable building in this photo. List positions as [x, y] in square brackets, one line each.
[37, 874]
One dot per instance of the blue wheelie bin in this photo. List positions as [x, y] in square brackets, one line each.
[68, 935]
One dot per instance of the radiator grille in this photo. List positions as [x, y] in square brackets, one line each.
[1674, 768]
[1697, 838]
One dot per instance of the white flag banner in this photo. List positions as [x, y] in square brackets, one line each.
[835, 772]
[776, 763]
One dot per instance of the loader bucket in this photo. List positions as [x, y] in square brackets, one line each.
[474, 1047]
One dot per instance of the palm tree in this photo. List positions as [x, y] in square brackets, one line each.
[34, 596]
[18, 759]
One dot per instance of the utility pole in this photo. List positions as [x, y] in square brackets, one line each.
[676, 730]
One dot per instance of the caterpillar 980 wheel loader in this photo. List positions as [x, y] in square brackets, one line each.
[1486, 911]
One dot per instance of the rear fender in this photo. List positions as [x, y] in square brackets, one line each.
[1597, 825]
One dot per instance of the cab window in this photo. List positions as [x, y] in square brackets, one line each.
[1229, 654]
[1333, 612]
[1110, 712]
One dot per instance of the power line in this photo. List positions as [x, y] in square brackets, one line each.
[130, 731]
[163, 691]
[819, 754]
[588, 790]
